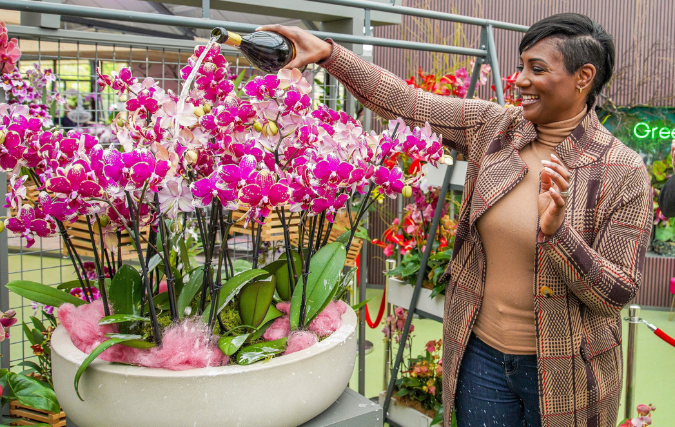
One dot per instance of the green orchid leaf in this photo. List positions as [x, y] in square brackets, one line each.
[253, 353]
[28, 333]
[154, 262]
[360, 305]
[284, 281]
[231, 288]
[254, 301]
[132, 340]
[95, 353]
[402, 392]
[190, 290]
[296, 301]
[119, 318]
[31, 392]
[230, 345]
[396, 271]
[42, 294]
[38, 324]
[241, 265]
[344, 283]
[126, 291]
[72, 284]
[322, 281]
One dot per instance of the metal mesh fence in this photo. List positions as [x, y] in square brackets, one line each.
[90, 110]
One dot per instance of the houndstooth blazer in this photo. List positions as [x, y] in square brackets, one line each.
[584, 274]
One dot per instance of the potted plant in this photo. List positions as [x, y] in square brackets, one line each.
[663, 240]
[180, 342]
[417, 400]
[409, 237]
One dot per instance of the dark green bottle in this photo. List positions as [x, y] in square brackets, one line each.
[265, 50]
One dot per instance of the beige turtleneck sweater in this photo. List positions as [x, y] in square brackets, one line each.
[509, 232]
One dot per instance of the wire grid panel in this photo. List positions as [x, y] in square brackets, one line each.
[90, 110]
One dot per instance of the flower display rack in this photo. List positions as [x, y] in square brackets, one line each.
[400, 294]
[79, 232]
[32, 416]
[272, 231]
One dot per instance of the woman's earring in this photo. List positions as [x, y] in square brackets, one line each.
[579, 90]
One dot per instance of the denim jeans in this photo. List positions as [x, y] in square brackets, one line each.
[496, 389]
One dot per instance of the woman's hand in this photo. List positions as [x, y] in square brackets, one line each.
[554, 179]
[309, 49]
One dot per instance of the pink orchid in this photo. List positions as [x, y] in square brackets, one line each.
[390, 181]
[332, 172]
[262, 87]
[330, 204]
[169, 114]
[296, 102]
[205, 189]
[9, 54]
[11, 150]
[28, 223]
[73, 182]
[17, 193]
[236, 176]
[263, 193]
[293, 79]
[142, 167]
[175, 196]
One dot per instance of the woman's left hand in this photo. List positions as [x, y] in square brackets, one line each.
[554, 179]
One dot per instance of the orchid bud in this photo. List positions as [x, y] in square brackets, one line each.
[105, 220]
[257, 126]
[199, 111]
[207, 108]
[407, 191]
[2, 136]
[270, 129]
[176, 227]
[9, 314]
[446, 160]
[120, 122]
[2, 226]
[191, 157]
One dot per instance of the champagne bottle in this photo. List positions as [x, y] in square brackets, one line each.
[265, 50]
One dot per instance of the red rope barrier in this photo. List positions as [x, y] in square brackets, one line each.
[383, 303]
[664, 336]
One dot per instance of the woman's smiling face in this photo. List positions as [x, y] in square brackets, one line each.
[550, 93]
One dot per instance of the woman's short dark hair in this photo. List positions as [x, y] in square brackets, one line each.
[582, 41]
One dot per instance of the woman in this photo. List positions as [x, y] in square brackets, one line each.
[552, 232]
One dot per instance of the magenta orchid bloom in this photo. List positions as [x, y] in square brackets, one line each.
[332, 172]
[73, 182]
[205, 189]
[142, 167]
[263, 193]
[329, 204]
[236, 176]
[30, 222]
[262, 87]
[390, 181]
[11, 151]
[17, 193]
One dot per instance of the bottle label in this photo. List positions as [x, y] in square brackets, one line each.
[233, 39]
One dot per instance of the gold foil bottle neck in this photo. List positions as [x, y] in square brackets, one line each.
[233, 39]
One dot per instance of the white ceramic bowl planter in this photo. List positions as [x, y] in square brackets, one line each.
[285, 391]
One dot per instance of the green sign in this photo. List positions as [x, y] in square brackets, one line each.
[644, 130]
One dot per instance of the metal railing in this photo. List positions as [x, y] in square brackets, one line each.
[486, 53]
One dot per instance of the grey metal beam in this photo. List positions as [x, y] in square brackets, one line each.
[161, 8]
[151, 18]
[95, 23]
[412, 11]
[107, 38]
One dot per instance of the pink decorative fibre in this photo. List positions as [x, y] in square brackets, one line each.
[284, 307]
[86, 334]
[300, 340]
[329, 320]
[186, 345]
[280, 328]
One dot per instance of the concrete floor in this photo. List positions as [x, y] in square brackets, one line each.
[655, 360]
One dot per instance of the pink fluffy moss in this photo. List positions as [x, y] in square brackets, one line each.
[300, 340]
[329, 320]
[186, 345]
[279, 329]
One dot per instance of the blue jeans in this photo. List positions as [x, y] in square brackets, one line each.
[496, 389]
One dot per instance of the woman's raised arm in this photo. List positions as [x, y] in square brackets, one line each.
[389, 96]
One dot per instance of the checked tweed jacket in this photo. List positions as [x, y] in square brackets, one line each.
[589, 269]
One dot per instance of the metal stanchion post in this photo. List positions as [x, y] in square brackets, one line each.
[631, 352]
[389, 265]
